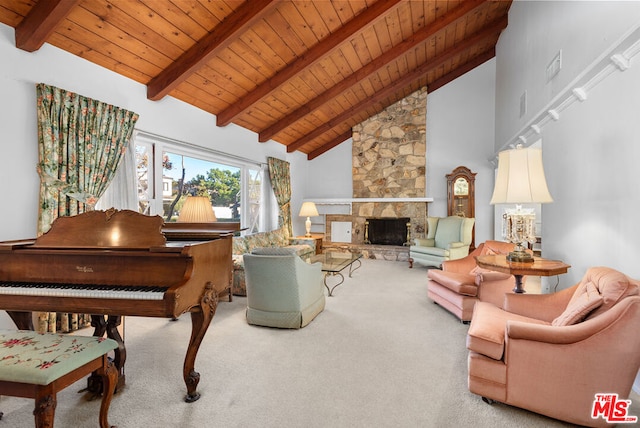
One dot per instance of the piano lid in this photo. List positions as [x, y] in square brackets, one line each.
[122, 229]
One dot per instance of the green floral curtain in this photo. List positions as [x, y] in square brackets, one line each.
[281, 184]
[81, 142]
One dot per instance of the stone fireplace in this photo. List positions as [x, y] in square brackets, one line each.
[389, 173]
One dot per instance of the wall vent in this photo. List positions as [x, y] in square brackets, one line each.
[554, 66]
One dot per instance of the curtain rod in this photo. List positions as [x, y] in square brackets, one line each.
[195, 146]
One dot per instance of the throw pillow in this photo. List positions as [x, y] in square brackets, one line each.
[579, 308]
[487, 251]
[273, 251]
[278, 238]
[611, 284]
[423, 242]
[479, 271]
[483, 275]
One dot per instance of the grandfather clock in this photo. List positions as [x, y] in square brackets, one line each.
[461, 196]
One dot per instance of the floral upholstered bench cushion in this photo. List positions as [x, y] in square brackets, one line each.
[40, 358]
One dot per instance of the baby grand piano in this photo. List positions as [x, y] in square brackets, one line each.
[117, 263]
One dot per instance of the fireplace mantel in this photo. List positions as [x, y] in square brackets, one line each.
[347, 201]
[354, 211]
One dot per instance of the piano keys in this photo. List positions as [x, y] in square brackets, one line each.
[82, 290]
[114, 263]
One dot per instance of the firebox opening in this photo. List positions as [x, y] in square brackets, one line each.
[386, 231]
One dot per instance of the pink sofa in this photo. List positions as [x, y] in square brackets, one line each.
[461, 283]
[552, 353]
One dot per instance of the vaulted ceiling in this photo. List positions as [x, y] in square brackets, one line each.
[299, 72]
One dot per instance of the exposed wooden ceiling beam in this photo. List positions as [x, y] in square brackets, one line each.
[216, 40]
[481, 59]
[330, 145]
[400, 84]
[316, 53]
[466, 67]
[371, 68]
[42, 20]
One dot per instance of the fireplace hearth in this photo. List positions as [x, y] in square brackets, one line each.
[387, 231]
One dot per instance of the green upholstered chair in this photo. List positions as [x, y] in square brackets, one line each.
[448, 238]
[282, 290]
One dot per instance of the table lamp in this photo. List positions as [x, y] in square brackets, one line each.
[308, 210]
[197, 209]
[520, 180]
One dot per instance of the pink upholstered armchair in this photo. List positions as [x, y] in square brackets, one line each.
[461, 283]
[552, 353]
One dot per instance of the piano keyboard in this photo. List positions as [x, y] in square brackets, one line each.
[83, 290]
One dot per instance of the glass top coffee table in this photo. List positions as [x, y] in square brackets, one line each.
[333, 263]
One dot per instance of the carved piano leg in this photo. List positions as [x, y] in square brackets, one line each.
[94, 381]
[22, 320]
[200, 320]
[99, 325]
[109, 378]
[108, 327]
[120, 353]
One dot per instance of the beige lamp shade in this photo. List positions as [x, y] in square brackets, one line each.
[308, 209]
[520, 178]
[197, 209]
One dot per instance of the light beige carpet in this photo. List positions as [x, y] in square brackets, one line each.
[380, 355]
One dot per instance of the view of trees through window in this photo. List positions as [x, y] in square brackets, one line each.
[196, 177]
[169, 172]
[143, 164]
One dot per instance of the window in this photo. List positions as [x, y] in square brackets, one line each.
[169, 171]
[144, 168]
[254, 200]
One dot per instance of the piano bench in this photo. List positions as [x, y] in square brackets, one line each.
[38, 365]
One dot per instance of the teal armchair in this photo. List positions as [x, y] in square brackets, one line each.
[282, 290]
[448, 238]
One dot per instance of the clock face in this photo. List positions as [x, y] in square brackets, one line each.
[461, 187]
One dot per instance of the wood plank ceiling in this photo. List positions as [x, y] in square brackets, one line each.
[299, 72]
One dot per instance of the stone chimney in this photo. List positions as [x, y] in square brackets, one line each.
[389, 161]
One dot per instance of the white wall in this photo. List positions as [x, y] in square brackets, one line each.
[591, 152]
[460, 131]
[537, 30]
[329, 175]
[325, 177]
[21, 71]
[594, 220]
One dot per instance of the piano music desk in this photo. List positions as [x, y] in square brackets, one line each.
[198, 231]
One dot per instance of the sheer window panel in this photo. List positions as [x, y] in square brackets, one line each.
[122, 193]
